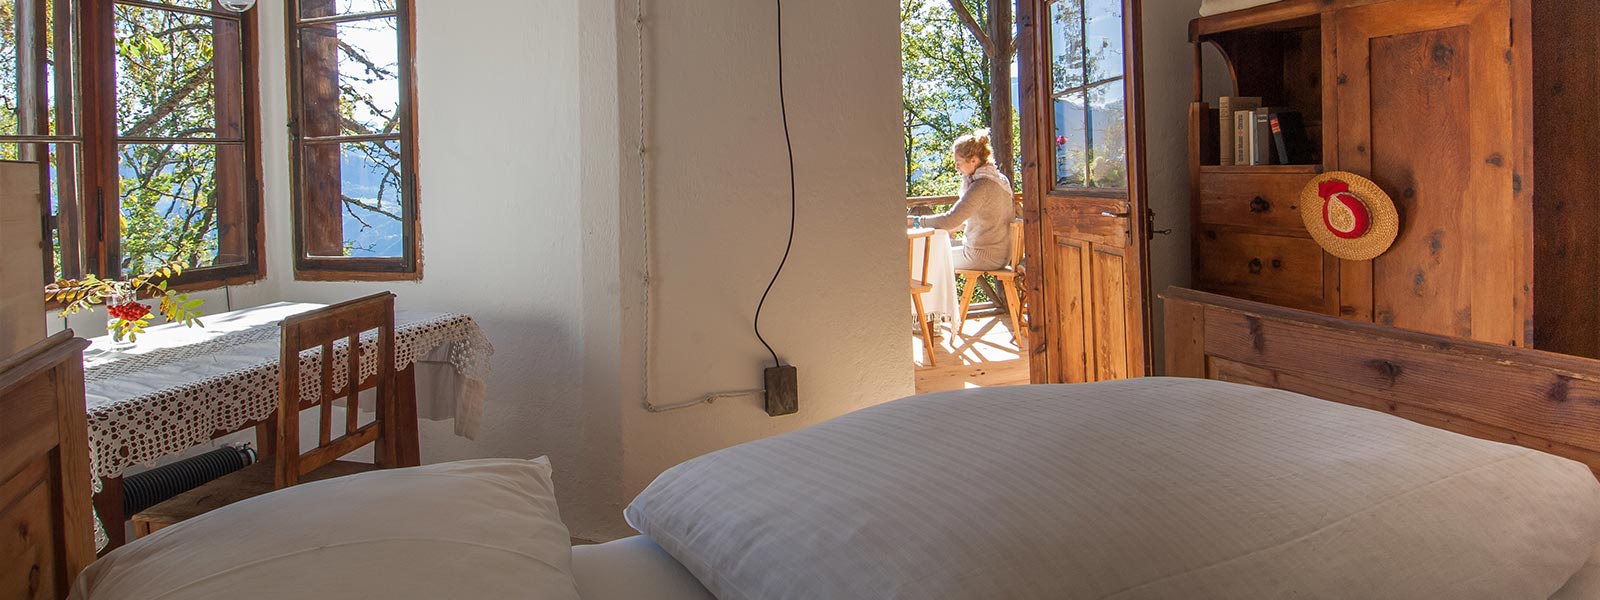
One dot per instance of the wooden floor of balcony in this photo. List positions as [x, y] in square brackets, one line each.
[983, 354]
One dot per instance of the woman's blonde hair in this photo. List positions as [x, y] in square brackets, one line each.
[975, 145]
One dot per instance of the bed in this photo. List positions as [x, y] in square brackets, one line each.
[735, 524]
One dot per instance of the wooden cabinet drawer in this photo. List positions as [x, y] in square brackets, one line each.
[1278, 269]
[1265, 201]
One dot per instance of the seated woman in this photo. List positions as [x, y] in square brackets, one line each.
[986, 207]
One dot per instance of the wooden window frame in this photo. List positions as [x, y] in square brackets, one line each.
[88, 243]
[307, 267]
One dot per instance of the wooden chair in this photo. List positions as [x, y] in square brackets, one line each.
[920, 284]
[45, 499]
[1007, 278]
[286, 465]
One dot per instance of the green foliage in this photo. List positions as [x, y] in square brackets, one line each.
[166, 88]
[946, 73]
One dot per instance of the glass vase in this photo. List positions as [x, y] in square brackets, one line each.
[117, 301]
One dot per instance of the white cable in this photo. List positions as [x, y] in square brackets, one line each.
[645, 230]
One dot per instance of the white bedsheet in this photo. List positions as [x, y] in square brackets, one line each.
[632, 569]
[637, 569]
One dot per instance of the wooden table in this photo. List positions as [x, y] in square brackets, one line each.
[180, 388]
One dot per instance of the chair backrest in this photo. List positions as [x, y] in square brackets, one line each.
[45, 499]
[1017, 243]
[323, 329]
[926, 237]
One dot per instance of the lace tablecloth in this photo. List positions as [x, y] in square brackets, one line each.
[179, 386]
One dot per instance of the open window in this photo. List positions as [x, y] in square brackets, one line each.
[142, 119]
[354, 139]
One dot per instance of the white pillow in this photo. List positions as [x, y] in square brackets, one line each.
[473, 529]
[1152, 488]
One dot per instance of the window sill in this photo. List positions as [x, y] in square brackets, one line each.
[331, 276]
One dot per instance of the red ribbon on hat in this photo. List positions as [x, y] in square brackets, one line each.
[1339, 191]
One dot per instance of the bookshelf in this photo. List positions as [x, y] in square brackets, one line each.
[1478, 119]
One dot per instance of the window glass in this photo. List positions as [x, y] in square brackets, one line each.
[176, 172]
[355, 203]
[1087, 82]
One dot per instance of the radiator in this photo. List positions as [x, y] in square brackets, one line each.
[155, 486]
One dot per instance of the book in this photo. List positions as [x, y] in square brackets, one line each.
[1243, 121]
[1289, 138]
[1226, 107]
[1261, 152]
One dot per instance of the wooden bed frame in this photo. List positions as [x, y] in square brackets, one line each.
[1547, 402]
[46, 528]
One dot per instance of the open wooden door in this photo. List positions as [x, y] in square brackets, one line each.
[1082, 101]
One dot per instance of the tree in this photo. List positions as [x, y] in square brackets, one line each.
[998, 38]
[945, 93]
[949, 90]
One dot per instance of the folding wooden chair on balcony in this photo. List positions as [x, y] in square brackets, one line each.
[920, 285]
[1007, 278]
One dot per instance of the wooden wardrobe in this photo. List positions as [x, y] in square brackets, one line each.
[1481, 118]
[22, 317]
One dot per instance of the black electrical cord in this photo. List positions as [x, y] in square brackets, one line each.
[788, 143]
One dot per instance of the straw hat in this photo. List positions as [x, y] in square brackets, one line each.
[1349, 215]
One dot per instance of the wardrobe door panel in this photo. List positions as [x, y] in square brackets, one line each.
[1425, 107]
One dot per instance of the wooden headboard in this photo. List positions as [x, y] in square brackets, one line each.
[1547, 402]
[46, 527]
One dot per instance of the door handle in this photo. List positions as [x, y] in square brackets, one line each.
[1121, 215]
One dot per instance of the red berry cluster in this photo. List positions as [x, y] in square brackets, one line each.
[132, 311]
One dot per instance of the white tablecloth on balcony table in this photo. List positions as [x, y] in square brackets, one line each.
[178, 386]
[941, 304]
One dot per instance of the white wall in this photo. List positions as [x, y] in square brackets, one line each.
[1169, 88]
[530, 223]
[503, 146]
[529, 177]
[720, 190]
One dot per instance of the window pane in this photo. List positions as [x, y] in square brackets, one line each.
[310, 9]
[353, 87]
[28, 103]
[1108, 128]
[1066, 44]
[9, 86]
[1071, 140]
[1104, 39]
[370, 209]
[181, 202]
[168, 75]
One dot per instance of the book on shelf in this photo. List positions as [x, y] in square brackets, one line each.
[1244, 137]
[1289, 138]
[1261, 149]
[1226, 107]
